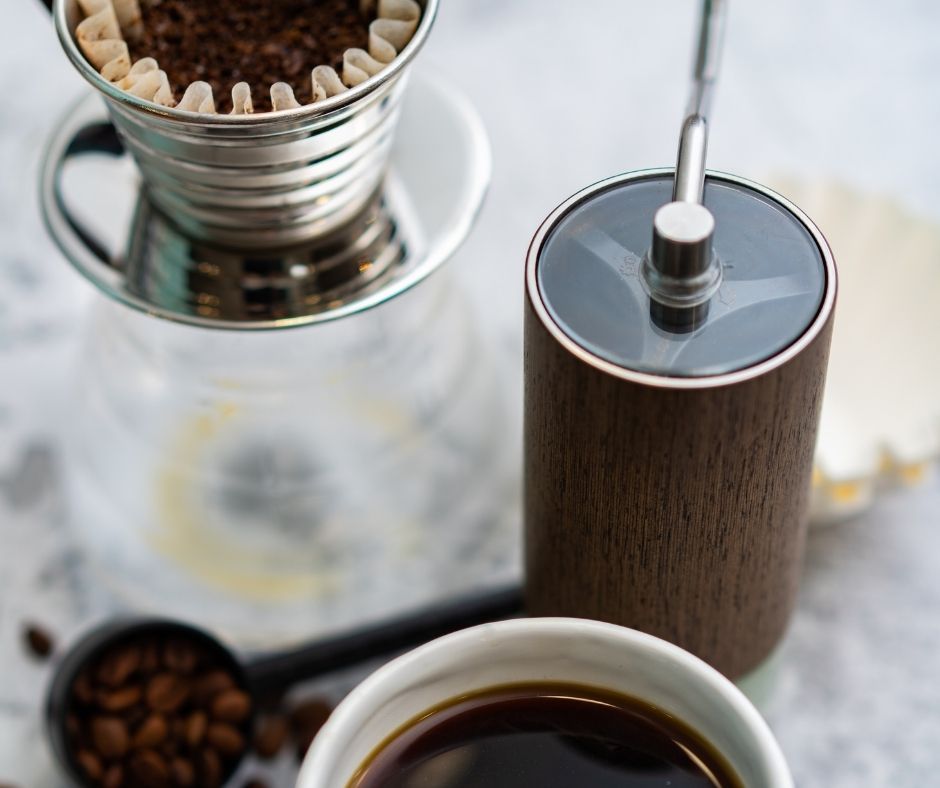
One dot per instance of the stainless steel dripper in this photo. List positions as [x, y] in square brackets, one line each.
[264, 179]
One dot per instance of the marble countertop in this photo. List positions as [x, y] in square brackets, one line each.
[570, 92]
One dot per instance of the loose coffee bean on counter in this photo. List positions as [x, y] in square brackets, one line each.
[250, 784]
[38, 641]
[255, 41]
[151, 714]
[271, 735]
[306, 720]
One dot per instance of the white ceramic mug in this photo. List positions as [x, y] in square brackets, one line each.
[546, 649]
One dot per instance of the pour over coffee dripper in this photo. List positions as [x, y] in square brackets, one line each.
[265, 179]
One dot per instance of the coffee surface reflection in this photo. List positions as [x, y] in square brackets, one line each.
[545, 735]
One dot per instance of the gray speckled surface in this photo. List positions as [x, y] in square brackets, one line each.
[858, 695]
[832, 89]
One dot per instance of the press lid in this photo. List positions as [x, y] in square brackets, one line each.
[590, 278]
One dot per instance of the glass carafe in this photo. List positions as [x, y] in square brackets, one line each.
[278, 484]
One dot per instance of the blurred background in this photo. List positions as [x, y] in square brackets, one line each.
[821, 91]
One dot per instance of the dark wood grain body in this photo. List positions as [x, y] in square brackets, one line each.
[679, 512]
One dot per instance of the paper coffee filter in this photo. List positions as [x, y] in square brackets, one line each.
[100, 38]
[108, 24]
[880, 423]
[145, 80]
[128, 16]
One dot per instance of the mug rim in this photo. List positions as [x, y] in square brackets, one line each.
[287, 116]
[357, 705]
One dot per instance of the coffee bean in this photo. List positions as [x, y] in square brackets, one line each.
[150, 659]
[113, 777]
[119, 699]
[271, 736]
[38, 641]
[151, 732]
[307, 718]
[82, 690]
[196, 725]
[303, 739]
[180, 657]
[232, 706]
[225, 739]
[118, 666]
[207, 686]
[110, 737]
[89, 763]
[183, 772]
[166, 692]
[210, 769]
[148, 769]
[311, 713]
[256, 783]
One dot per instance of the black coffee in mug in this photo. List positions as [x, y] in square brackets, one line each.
[545, 735]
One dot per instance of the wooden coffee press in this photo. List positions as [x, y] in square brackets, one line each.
[677, 330]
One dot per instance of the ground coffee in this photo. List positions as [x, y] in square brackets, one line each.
[255, 41]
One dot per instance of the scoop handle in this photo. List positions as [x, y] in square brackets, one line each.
[271, 676]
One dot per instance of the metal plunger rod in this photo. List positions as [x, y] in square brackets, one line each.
[693, 141]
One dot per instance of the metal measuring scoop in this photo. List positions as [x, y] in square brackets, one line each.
[265, 679]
